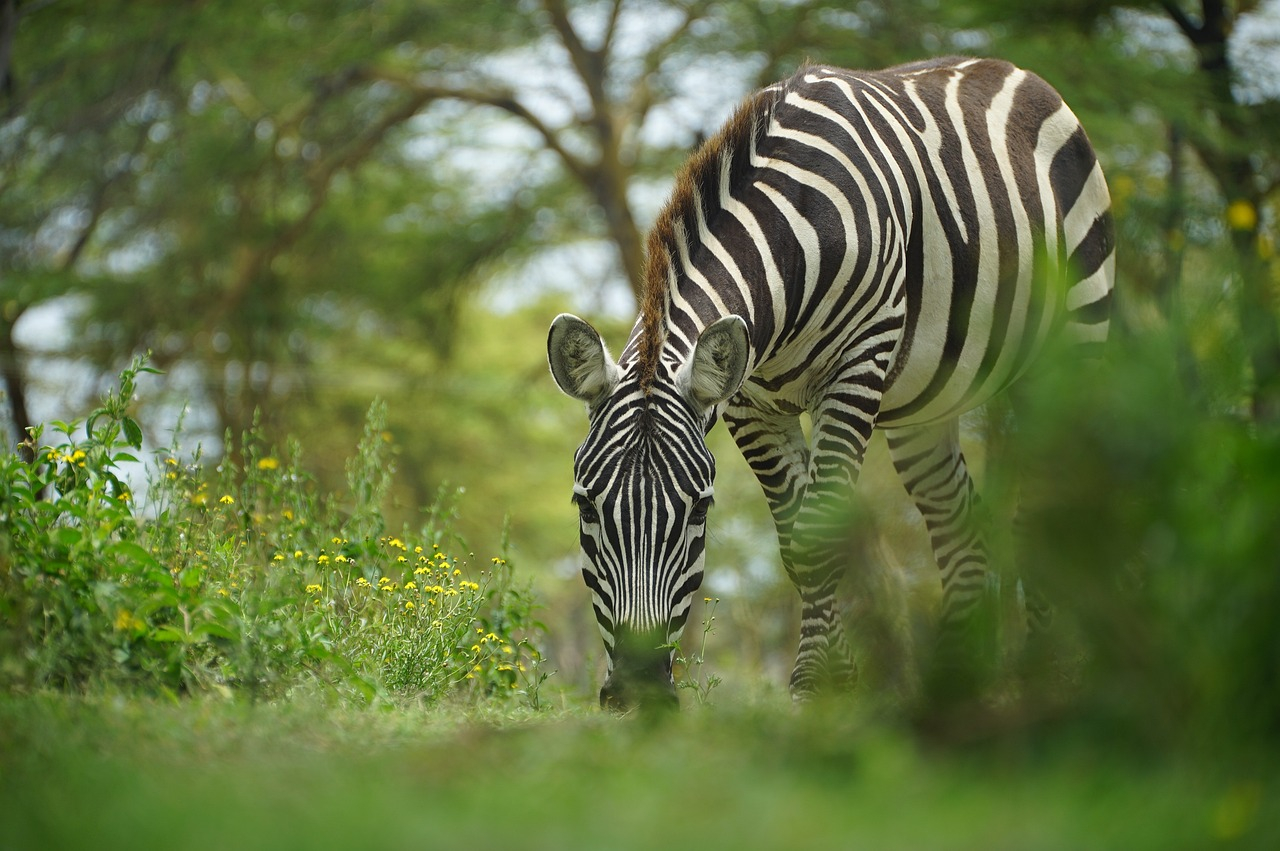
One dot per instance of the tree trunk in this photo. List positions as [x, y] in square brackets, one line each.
[14, 382]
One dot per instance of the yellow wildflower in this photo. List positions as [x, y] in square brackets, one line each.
[396, 543]
[278, 557]
[226, 499]
[172, 462]
[1241, 215]
[313, 589]
[322, 559]
[362, 582]
[268, 463]
[408, 605]
[409, 586]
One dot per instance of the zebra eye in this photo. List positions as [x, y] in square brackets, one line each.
[698, 515]
[586, 511]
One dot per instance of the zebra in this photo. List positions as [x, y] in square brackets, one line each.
[877, 249]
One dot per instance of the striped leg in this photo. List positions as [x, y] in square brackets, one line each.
[775, 447]
[842, 424]
[932, 467]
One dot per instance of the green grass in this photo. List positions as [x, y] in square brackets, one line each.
[125, 773]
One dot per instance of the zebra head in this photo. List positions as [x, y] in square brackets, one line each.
[643, 482]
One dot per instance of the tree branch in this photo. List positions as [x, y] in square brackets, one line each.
[505, 101]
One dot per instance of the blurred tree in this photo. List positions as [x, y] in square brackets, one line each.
[1183, 64]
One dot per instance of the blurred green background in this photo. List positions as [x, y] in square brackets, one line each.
[301, 206]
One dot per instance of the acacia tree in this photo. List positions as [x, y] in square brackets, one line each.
[213, 181]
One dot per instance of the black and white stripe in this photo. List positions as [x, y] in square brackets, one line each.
[899, 246]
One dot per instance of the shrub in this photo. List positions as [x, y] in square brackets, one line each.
[241, 577]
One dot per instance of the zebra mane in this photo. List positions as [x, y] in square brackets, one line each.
[697, 182]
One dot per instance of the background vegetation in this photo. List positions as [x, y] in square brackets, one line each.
[300, 208]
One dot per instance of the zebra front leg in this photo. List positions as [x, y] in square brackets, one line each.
[774, 446]
[932, 468]
[842, 424]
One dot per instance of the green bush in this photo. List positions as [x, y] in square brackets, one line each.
[1159, 540]
[241, 577]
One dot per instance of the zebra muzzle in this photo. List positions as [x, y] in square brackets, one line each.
[641, 676]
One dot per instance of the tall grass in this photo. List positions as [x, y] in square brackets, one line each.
[242, 577]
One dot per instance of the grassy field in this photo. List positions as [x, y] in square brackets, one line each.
[208, 774]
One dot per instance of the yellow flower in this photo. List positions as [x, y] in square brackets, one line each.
[417, 550]
[401, 560]
[313, 589]
[223, 592]
[1241, 215]
[287, 514]
[268, 463]
[383, 580]
[362, 582]
[278, 557]
[171, 476]
[172, 462]
[408, 605]
[226, 499]
[126, 622]
[409, 586]
[397, 543]
[322, 559]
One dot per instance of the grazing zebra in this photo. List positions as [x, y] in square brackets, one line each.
[880, 249]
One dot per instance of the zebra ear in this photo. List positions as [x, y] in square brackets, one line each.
[579, 361]
[719, 363]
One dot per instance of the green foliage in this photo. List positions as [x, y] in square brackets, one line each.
[1156, 535]
[240, 577]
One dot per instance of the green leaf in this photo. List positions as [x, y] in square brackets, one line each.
[133, 553]
[132, 432]
[122, 456]
[168, 633]
[214, 629]
[67, 536]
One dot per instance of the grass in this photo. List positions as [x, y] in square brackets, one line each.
[128, 773]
